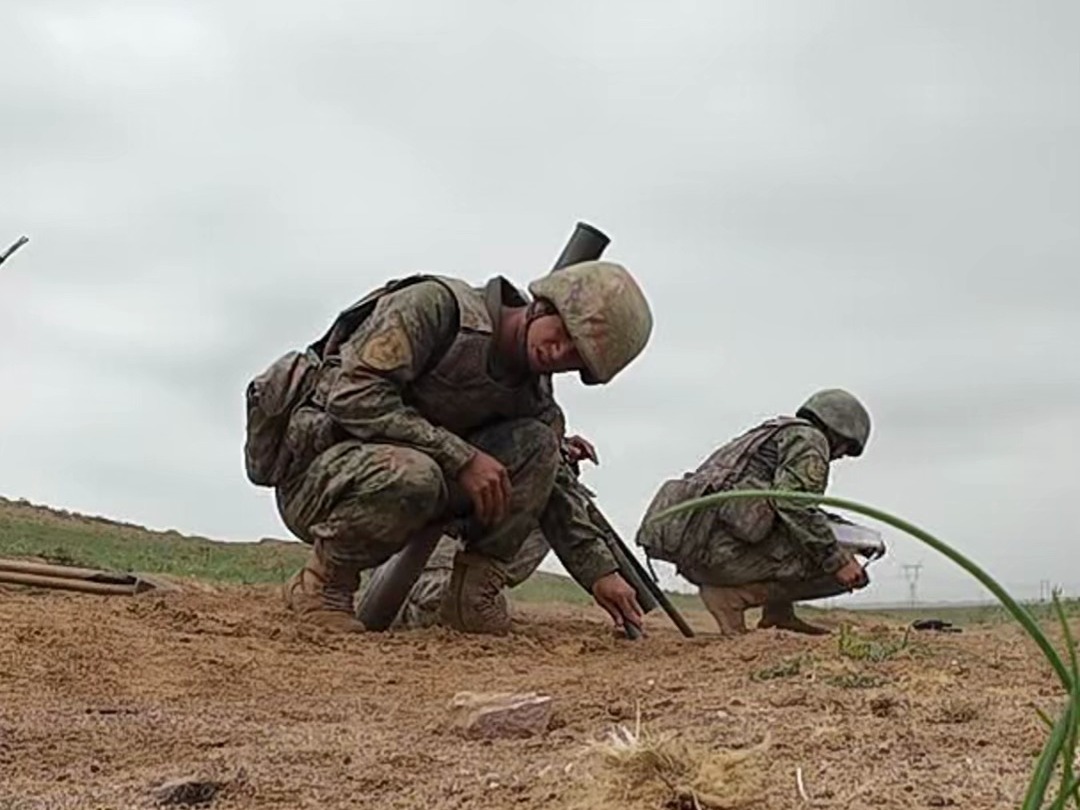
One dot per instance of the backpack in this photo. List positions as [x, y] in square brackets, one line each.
[271, 397]
[289, 382]
[684, 536]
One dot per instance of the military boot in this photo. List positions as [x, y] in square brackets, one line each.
[474, 602]
[782, 616]
[321, 594]
[728, 604]
[779, 608]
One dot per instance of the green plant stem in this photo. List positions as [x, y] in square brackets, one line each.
[1072, 790]
[1069, 751]
[1044, 769]
[1019, 613]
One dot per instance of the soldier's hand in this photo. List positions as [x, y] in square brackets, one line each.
[852, 575]
[614, 594]
[487, 483]
[579, 449]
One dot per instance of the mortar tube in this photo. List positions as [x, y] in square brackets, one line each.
[390, 584]
[585, 244]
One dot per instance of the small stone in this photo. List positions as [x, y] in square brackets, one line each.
[940, 801]
[883, 706]
[500, 714]
[187, 791]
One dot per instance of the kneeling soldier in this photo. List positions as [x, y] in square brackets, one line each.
[757, 552]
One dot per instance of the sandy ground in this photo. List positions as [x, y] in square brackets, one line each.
[104, 698]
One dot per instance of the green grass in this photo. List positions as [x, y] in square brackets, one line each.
[28, 530]
[68, 539]
[871, 647]
[62, 538]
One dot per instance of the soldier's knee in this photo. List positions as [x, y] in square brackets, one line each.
[410, 483]
[524, 446]
[528, 558]
[539, 447]
[540, 436]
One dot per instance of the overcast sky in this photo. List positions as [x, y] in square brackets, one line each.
[883, 196]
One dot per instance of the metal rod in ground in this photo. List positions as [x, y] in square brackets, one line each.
[66, 584]
[659, 595]
[22, 240]
[634, 572]
[672, 613]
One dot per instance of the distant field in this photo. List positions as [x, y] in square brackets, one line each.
[28, 530]
[68, 539]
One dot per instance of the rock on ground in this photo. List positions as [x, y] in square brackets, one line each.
[500, 714]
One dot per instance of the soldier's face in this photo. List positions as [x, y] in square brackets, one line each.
[549, 347]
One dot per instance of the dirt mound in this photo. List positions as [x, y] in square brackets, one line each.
[107, 699]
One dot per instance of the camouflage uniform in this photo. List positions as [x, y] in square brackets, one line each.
[768, 552]
[398, 405]
[421, 608]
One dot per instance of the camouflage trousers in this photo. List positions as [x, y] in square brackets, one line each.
[730, 562]
[360, 502]
[421, 608]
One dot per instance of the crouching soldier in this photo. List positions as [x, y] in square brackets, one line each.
[758, 552]
[425, 599]
[427, 402]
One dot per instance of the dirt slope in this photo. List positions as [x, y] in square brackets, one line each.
[103, 698]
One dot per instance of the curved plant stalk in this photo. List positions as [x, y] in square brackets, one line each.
[1072, 790]
[1044, 768]
[1016, 609]
[1063, 737]
[1068, 782]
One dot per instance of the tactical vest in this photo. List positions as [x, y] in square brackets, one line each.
[286, 420]
[681, 538]
[458, 393]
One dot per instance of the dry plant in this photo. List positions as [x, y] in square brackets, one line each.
[642, 768]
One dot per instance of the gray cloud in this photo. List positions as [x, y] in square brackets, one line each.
[881, 196]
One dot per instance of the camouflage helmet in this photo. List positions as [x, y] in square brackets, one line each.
[842, 413]
[605, 313]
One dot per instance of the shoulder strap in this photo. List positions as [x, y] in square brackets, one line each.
[350, 318]
[730, 459]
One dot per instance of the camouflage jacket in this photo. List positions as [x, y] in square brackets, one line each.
[420, 371]
[781, 453]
